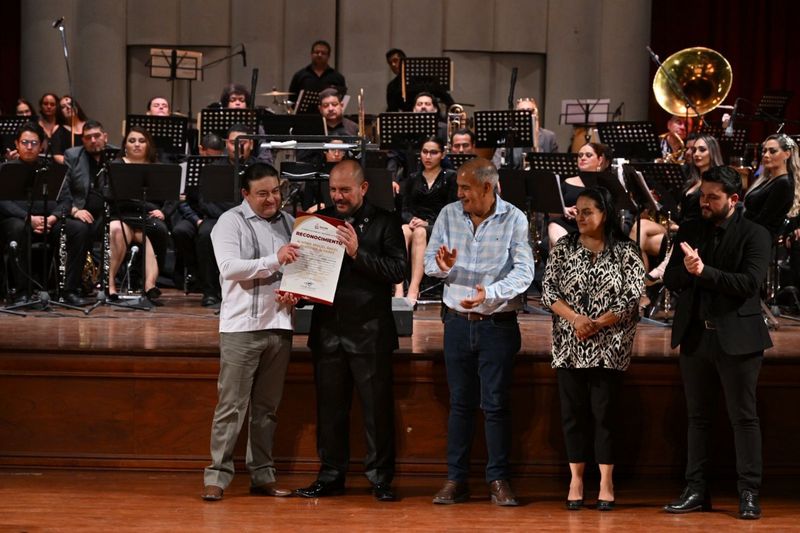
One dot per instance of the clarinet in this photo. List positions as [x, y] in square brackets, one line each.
[62, 257]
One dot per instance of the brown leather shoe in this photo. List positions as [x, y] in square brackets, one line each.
[502, 494]
[270, 489]
[452, 492]
[212, 493]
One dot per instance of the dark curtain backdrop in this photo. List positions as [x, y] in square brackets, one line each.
[760, 39]
[9, 56]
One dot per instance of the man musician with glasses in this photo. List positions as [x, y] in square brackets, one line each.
[14, 222]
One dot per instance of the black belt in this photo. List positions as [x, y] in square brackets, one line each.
[475, 317]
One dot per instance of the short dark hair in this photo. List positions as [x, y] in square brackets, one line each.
[150, 102]
[92, 124]
[326, 44]
[394, 51]
[330, 91]
[255, 172]
[429, 95]
[32, 127]
[238, 128]
[211, 141]
[464, 131]
[726, 176]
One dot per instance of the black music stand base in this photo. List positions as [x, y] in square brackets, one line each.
[44, 301]
[102, 299]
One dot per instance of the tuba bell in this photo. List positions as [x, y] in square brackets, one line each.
[703, 74]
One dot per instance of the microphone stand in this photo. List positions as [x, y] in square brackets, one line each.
[675, 86]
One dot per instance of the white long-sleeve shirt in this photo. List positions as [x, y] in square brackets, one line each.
[246, 247]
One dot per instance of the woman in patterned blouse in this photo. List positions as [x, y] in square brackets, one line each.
[592, 283]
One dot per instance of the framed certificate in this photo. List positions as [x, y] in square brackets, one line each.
[315, 273]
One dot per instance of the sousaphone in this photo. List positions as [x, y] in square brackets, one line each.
[703, 74]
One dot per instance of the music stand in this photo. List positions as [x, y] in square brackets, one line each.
[144, 183]
[380, 191]
[561, 164]
[194, 165]
[306, 174]
[403, 131]
[493, 128]
[8, 131]
[584, 111]
[630, 140]
[169, 133]
[773, 103]
[173, 64]
[21, 182]
[292, 124]
[730, 146]
[431, 74]
[307, 102]
[217, 182]
[667, 180]
[219, 121]
[456, 160]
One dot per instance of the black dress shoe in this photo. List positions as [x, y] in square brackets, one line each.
[319, 489]
[112, 297]
[73, 299]
[383, 492]
[749, 508]
[209, 300]
[605, 505]
[574, 505]
[153, 293]
[689, 502]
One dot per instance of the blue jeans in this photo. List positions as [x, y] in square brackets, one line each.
[479, 356]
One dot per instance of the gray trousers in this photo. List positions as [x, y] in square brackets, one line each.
[252, 370]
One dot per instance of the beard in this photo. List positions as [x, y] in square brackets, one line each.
[716, 216]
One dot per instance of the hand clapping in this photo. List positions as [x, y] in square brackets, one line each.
[691, 259]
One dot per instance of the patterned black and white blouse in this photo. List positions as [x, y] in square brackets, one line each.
[614, 282]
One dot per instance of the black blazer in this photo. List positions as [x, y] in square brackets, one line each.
[360, 319]
[734, 274]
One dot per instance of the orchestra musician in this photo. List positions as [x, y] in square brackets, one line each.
[425, 193]
[318, 75]
[777, 191]
[547, 140]
[125, 227]
[592, 157]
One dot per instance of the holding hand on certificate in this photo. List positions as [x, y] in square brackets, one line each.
[348, 237]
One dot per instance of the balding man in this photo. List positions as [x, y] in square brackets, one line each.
[353, 339]
[479, 247]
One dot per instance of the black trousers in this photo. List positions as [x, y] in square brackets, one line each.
[79, 241]
[334, 375]
[704, 370]
[589, 405]
[196, 250]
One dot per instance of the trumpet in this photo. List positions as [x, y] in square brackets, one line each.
[456, 120]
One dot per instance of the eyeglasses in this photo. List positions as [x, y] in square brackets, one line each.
[587, 155]
[430, 152]
[29, 143]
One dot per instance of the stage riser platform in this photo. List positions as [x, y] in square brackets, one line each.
[102, 410]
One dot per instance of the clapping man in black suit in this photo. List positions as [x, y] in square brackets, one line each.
[718, 266]
[353, 339]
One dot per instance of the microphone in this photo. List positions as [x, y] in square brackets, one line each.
[729, 129]
[244, 56]
[58, 23]
[134, 251]
[12, 247]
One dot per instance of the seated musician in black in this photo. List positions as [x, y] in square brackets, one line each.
[126, 221]
[14, 224]
[197, 217]
[775, 192]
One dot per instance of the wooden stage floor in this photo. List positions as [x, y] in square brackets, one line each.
[181, 326]
[44, 500]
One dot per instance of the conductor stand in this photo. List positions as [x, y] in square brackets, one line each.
[21, 183]
[172, 64]
[141, 183]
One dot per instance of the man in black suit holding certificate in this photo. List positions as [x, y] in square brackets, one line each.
[718, 266]
[353, 339]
